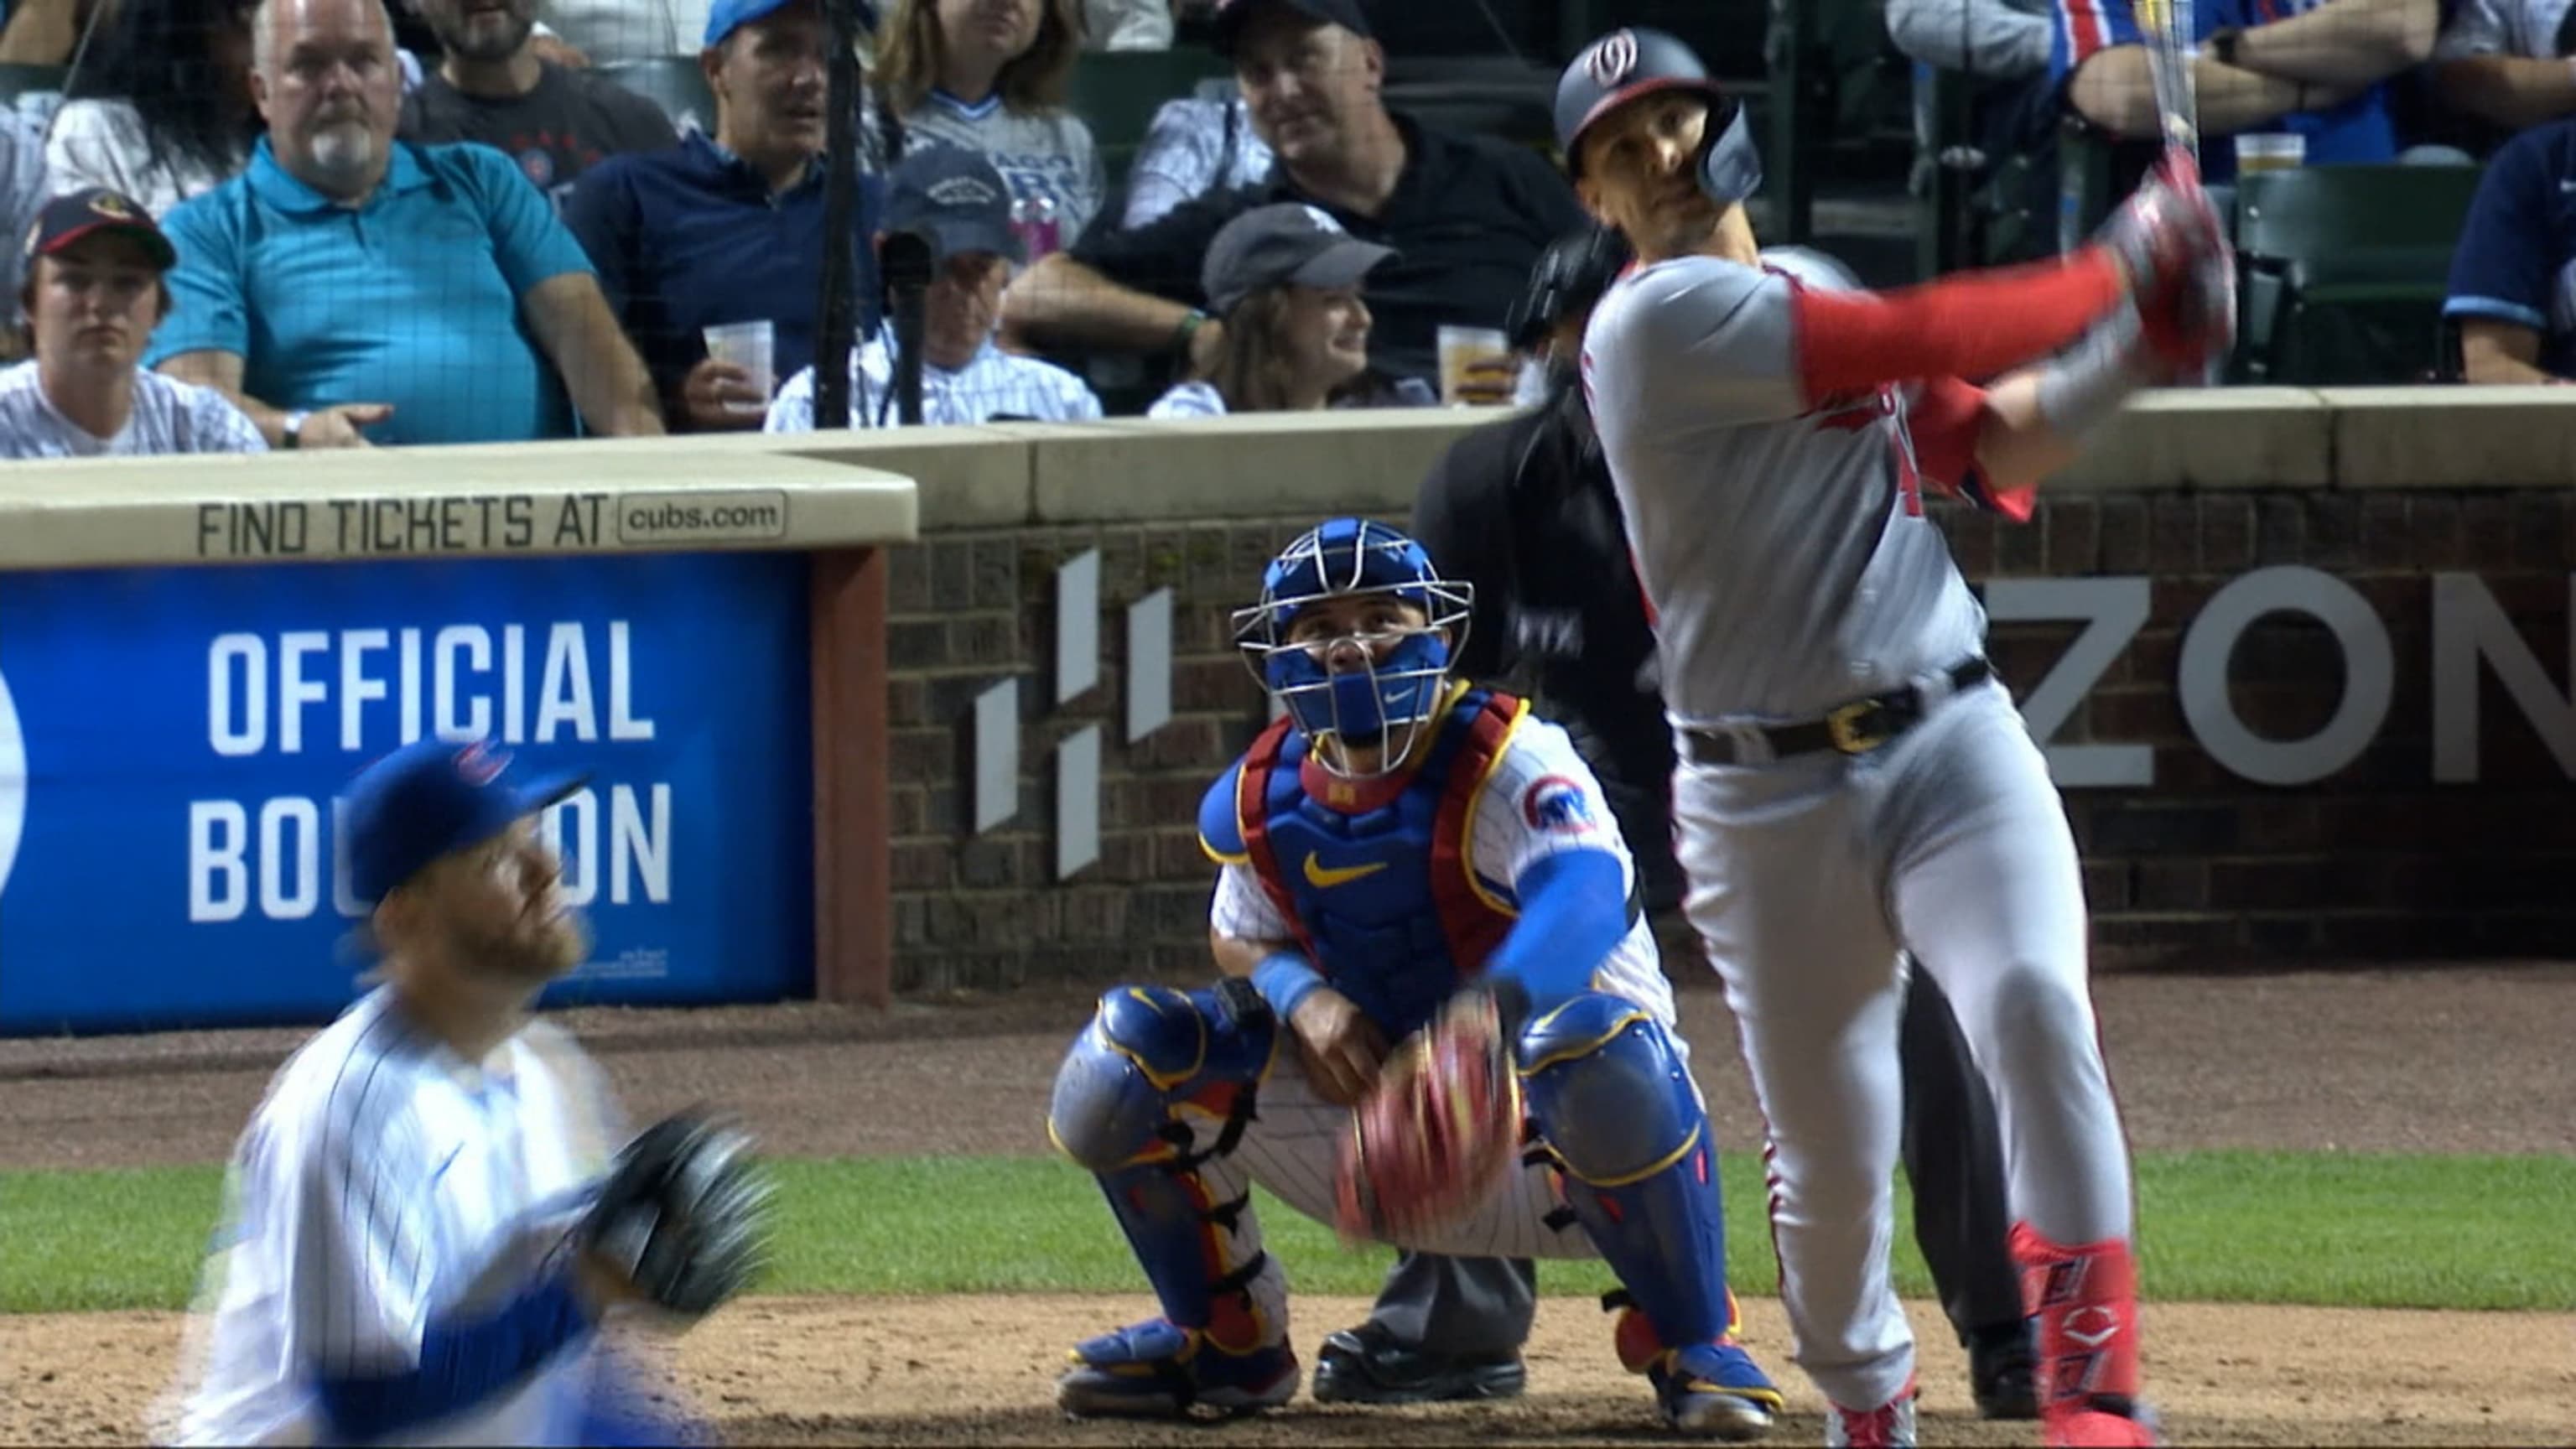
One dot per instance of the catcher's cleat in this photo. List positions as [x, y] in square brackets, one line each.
[1366, 1365]
[1159, 1370]
[1715, 1390]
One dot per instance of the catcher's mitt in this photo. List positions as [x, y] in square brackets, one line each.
[683, 1214]
[1438, 1132]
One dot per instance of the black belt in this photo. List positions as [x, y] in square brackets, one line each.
[1852, 729]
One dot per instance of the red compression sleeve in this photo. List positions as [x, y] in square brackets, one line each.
[1975, 325]
[1947, 421]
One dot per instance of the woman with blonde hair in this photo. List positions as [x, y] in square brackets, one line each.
[1283, 288]
[990, 76]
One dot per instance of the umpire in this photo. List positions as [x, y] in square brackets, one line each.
[1524, 510]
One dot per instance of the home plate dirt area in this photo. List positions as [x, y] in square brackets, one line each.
[2426, 1060]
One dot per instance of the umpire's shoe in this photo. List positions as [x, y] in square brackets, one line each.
[1368, 1365]
[1159, 1370]
[2001, 1373]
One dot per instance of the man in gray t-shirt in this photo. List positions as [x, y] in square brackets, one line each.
[491, 87]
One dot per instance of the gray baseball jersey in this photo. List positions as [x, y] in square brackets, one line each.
[1782, 545]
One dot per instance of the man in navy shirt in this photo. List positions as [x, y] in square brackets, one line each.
[728, 228]
[2513, 278]
[2314, 67]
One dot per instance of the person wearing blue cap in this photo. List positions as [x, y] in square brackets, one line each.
[407, 1255]
[729, 227]
[955, 203]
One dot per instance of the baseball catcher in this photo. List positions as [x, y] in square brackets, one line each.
[1432, 958]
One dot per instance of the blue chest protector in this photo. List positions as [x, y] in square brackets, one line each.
[1374, 877]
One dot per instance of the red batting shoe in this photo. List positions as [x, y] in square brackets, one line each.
[1889, 1426]
[2102, 1422]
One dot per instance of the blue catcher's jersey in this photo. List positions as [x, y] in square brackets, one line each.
[1375, 876]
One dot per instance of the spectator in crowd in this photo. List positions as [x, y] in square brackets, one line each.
[2317, 71]
[2513, 277]
[492, 86]
[2000, 50]
[990, 76]
[45, 32]
[22, 192]
[613, 32]
[1284, 280]
[728, 228]
[161, 108]
[93, 293]
[953, 199]
[1466, 216]
[1194, 145]
[1127, 24]
[348, 281]
[2508, 64]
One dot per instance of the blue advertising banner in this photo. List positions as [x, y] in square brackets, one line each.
[173, 743]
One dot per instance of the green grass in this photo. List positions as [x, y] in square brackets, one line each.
[2332, 1230]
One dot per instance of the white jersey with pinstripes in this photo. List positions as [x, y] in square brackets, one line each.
[383, 1180]
[1783, 547]
[1541, 798]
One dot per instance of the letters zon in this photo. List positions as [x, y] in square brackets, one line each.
[2469, 628]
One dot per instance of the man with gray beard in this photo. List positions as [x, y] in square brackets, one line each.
[347, 288]
[495, 87]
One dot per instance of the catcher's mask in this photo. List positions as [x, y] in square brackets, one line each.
[1635, 62]
[1387, 690]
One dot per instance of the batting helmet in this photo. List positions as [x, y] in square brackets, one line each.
[1635, 62]
[1570, 277]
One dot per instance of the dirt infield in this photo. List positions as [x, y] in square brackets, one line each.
[2383, 1061]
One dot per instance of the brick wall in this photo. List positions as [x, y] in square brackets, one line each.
[2201, 868]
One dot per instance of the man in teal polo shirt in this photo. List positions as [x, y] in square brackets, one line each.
[346, 289]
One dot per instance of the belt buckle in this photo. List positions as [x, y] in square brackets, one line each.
[1850, 735]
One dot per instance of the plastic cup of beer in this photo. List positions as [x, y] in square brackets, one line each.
[749, 346]
[2270, 151]
[1462, 348]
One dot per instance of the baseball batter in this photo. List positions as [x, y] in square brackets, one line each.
[1395, 837]
[1853, 781]
[412, 1249]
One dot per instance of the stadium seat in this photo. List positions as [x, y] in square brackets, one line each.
[1117, 92]
[1497, 96]
[672, 82]
[2344, 270]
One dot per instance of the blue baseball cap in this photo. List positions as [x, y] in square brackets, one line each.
[954, 197]
[431, 799]
[728, 16]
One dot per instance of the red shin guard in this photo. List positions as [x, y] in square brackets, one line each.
[2085, 1299]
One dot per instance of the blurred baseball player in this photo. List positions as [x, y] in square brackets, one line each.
[1398, 845]
[419, 1244]
[1853, 782]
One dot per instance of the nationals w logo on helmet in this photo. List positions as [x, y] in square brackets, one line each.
[1612, 58]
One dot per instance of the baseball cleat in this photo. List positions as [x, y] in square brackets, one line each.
[1889, 1426]
[1366, 1365]
[1716, 1391]
[1159, 1370]
[2103, 1421]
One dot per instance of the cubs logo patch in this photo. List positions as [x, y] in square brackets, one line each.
[538, 167]
[480, 764]
[1612, 59]
[1556, 803]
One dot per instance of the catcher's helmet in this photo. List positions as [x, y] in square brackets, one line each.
[1394, 692]
[1631, 63]
[1570, 277]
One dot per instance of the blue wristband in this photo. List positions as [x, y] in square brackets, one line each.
[1284, 979]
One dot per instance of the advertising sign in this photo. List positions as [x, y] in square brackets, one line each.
[173, 743]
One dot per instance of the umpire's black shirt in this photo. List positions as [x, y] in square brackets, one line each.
[1468, 219]
[1524, 510]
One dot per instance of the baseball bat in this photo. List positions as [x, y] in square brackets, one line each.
[2166, 25]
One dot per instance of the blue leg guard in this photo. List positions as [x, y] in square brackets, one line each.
[1617, 1110]
[1152, 1098]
